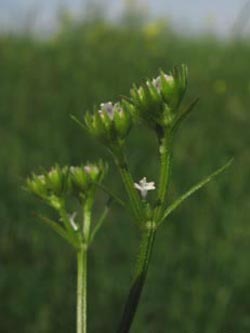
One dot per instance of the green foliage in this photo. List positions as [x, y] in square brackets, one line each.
[199, 280]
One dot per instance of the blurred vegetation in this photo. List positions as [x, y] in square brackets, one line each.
[199, 280]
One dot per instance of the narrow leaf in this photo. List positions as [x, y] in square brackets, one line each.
[111, 194]
[193, 189]
[78, 122]
[101, 220]
[184, 114]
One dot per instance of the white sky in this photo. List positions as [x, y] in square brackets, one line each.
[217, 16]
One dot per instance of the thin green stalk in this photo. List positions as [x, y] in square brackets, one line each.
[135, 291]
[82, 290]
[165, 159]
[82, 267]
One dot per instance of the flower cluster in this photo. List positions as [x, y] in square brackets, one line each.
[53, 186]
[157, 101]
[85, 177]
[50, 186]
[111, 122]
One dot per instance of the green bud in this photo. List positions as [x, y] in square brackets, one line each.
[79, 178]
[37, 185]
[57, 180]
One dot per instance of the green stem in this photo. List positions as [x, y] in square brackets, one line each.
[82, 267]
[165, 159]
[135, 291]
[82, 290]
[128, 182]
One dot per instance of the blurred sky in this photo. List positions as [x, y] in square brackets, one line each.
[194, 16]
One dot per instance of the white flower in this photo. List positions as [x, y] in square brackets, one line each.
[144, 187]
[108, 108]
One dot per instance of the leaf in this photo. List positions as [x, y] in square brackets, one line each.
[193, 189]
[110, 193]
[101, 220]
[59, 230]
[78, 122]
[184, 114]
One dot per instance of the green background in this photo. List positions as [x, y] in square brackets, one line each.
[199, 278]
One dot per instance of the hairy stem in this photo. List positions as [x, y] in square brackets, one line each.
[136, 288]
[82, 290]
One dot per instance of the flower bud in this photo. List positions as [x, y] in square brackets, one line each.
[78, 176]
[111, 123]
[57, 180]
[37, 185]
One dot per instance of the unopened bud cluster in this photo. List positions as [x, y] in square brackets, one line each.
[53, 186]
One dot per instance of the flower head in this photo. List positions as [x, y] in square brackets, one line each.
[55, 185]
[111, 122]
[84, 177]
[51, 186]
[156, 102]
[53, 182]
[144, 187]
